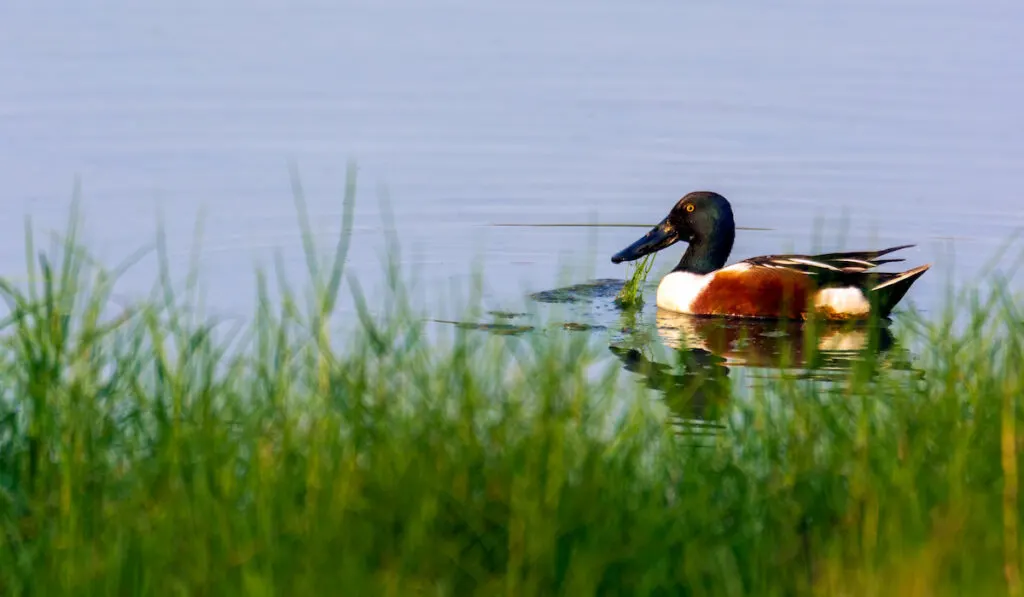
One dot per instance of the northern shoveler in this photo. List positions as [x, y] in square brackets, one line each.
[836, 286]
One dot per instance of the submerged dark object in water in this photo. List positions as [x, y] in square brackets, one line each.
[504, 329]
[586, 291]
[508, 329]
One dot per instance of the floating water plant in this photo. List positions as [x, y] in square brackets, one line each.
[632, 294]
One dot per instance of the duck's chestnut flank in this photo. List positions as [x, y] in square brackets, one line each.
[754, 293]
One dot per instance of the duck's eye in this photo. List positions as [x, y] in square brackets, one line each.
[689, 207]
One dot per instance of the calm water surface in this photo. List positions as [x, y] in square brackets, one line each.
[857, 125]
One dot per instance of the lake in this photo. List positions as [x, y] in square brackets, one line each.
[861, 125]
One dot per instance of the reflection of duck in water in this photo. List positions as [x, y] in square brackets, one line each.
[706, 348]
[838, 286]
[695, 389]
[775, 344]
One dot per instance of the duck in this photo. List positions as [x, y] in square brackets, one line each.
[829, 286]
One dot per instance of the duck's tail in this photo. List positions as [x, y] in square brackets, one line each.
[891, 290]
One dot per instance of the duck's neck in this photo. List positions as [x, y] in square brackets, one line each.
[706, 253]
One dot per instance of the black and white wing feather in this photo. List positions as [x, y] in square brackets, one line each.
[847, 268]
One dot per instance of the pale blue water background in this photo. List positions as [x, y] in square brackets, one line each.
[885, 122]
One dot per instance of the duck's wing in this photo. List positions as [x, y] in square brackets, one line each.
[846, 268]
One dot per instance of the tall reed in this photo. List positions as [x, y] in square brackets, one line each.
[145, 450]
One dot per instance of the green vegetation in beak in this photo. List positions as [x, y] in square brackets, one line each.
[631, 295]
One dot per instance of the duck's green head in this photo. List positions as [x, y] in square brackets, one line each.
[701, 218]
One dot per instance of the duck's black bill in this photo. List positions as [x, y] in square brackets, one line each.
[659, 237]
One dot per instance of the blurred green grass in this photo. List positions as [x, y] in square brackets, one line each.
[144, 451]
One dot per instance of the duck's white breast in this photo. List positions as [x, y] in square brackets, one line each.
[678, 290]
